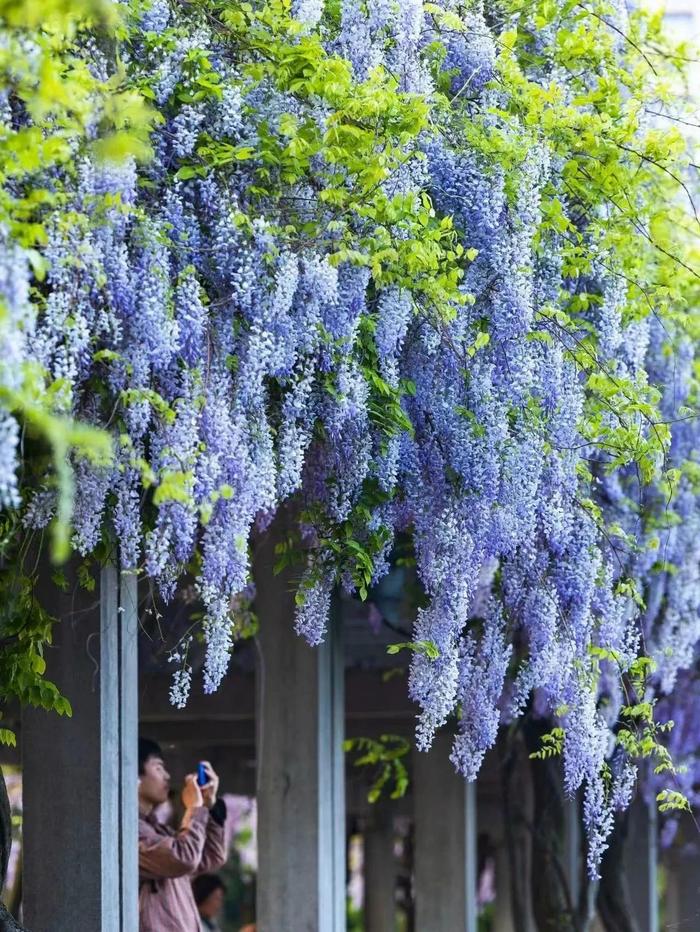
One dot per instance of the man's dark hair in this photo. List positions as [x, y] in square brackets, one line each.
[147, 748]
[204, 885]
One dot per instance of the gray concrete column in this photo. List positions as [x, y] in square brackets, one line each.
[300, 780]
[445, 843]
[128, 751]
[79, 773]
[491, 825]
[503, 907]
[689, 891]
[641, 857]
[572, 848]
[683, 886]
[380, 870]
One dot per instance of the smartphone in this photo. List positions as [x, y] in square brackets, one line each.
[202, 775]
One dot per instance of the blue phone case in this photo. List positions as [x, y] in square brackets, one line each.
[202, 778]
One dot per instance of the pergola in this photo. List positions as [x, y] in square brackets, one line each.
[274, 731]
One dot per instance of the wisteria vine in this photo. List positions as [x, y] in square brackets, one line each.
[401, 264]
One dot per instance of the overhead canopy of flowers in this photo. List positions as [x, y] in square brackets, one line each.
[421, 269]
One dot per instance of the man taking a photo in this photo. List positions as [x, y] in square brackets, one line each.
[168, 860]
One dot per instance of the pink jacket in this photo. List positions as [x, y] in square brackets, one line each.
[167, 863]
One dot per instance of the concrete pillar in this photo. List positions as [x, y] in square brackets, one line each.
[579, 885]
[445, 843]
[683, 887]
[128, 762]
[503, 907]
[490, 819]
[641, 857]
[689, 890]
[572, 848]
[79, 774]
[516, 803]
[300, 780]
[380, 871]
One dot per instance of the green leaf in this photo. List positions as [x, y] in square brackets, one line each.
[427, 648]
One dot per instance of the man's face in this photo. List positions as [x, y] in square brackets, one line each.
[154, 782]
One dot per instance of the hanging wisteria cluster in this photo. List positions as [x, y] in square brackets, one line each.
[372, 267]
